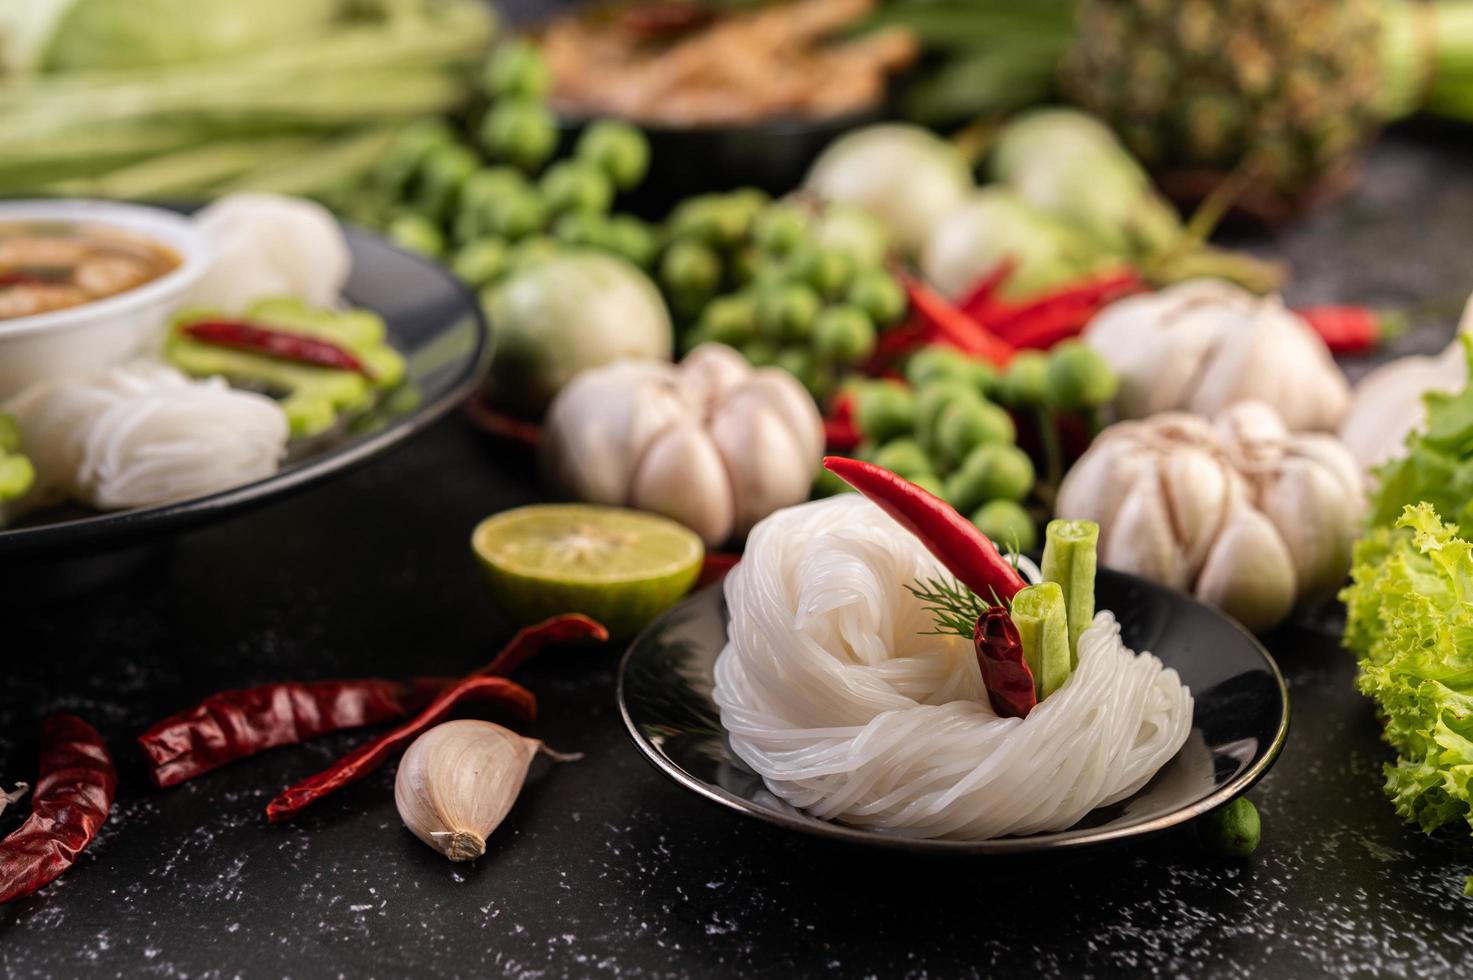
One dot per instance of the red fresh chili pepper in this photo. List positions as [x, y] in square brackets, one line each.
[962, 548]
[235, 725]
[1004, 670]
[502, 425]
[73, 797]
[839, 431]
[274, 342]
[375, 752]
[983, 294]
[950, 325]
[1352, 329]
[1045, 328]
[716, 567]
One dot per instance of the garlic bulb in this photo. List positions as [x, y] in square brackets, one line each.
[1386, 405]
[1204, 345]
[458, 781]
[1240, 511]
[711, 443]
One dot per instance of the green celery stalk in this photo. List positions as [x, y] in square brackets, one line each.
[1043, 626]
[1070, 555]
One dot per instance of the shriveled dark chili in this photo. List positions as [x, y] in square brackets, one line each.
[73, 796]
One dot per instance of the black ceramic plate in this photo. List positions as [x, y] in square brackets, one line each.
[432, 320]
[1240, 721]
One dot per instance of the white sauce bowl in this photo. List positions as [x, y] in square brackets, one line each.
[108, 331]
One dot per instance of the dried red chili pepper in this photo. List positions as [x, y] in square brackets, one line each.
[273, 342]
[1005, 672]
[532, 640]
[234, 725]
[374, 753]
[950, 325]
[73, 797]
[962, 548]
[1353, 329]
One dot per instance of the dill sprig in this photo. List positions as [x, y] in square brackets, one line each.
[956, 607]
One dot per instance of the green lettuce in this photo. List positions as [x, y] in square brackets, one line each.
[1410, 618]
[1438, 465]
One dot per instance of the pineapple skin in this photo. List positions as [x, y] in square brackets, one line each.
[1291, 87]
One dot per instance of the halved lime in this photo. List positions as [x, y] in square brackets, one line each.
[622, 567]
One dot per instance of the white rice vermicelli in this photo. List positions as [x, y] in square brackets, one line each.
[144, 434]
[831, 691]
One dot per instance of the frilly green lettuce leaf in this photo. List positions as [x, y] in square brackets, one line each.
[1410, 618]
[1438, 465]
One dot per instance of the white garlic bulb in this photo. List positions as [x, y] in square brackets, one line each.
[1240, 511]
[1203, 345]
[711, 443]
[458, 781]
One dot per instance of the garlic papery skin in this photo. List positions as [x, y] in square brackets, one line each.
[711, 443]
[1205, 345]
[1245, 514]
[458, 781]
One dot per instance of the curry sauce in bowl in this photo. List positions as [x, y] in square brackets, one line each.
[85, 285]
[53, 265]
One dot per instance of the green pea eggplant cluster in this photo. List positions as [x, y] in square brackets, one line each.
[956, 426]
[788, 283]
[488, 193]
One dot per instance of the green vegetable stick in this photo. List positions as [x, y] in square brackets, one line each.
[1043, 626]
[1069, 558]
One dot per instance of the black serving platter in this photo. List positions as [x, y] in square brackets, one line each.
[1240, 720]
[432, 320]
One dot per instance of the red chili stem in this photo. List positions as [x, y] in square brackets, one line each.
[950, 325]
[73, 797]
[1353, 329]
[1005, 671]
[282, 345]
[234, 725]
[375, 752]
[956, 541]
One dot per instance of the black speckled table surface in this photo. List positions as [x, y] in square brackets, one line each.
[605, 869]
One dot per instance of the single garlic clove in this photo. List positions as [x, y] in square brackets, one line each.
[682, 476]
[1250, 424]
[1316, 519]
[794, 406]
[1142, 539]
[1199, 489]
[1249, 573]
[767, 464]
[600, 424]
[710, 372]
[1103, 479]
[458, 781]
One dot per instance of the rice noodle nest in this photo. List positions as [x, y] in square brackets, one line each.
[831, 689]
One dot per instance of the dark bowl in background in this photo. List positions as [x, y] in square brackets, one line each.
[773, 155]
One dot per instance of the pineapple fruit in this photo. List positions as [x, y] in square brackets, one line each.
[1287, 90]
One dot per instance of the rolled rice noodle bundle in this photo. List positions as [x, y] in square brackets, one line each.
[144, 434]
[831, 691]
